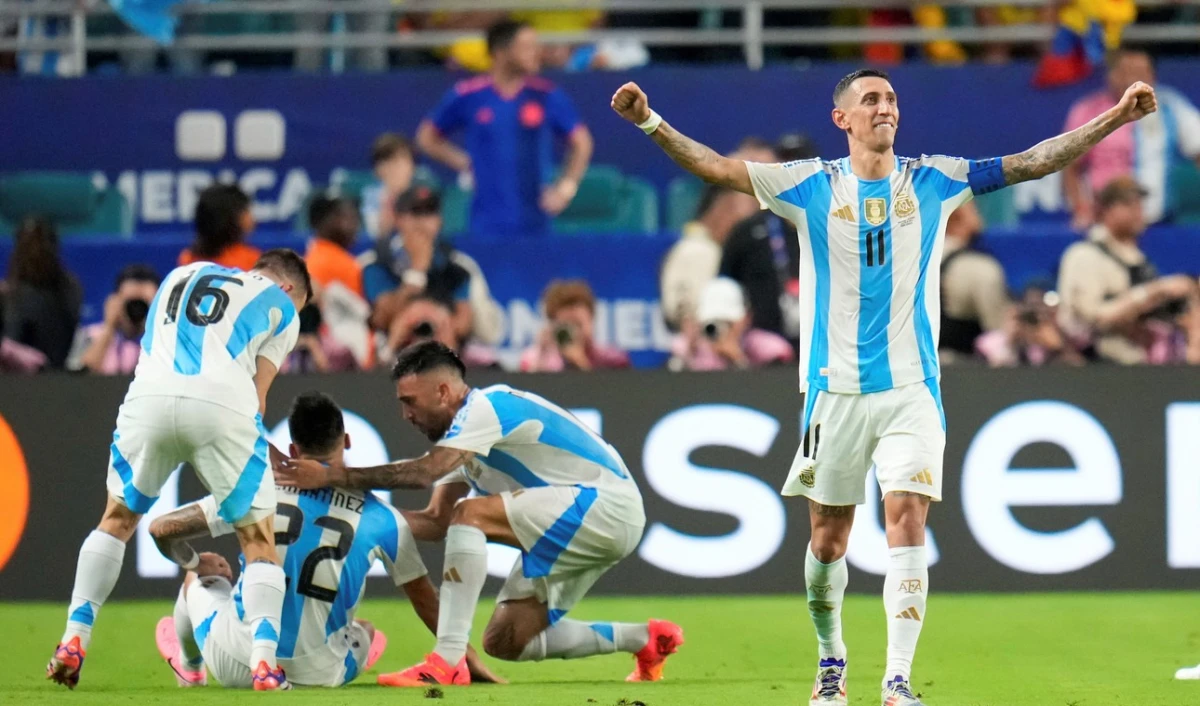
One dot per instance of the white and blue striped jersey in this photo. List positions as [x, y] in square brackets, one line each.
[521, 440]
[869, 255]
[204, 332]
[326, 541]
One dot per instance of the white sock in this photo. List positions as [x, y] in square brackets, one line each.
[96, 574]
[904, 592]
[189, 651]
[262, 595]
[462, 582]
[572, 639]
[826, 584]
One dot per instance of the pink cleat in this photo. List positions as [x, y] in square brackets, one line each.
[378, 645]
[665, 639]
[168, 646]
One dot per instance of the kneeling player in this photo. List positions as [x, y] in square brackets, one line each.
[327, 539]
[548, 485]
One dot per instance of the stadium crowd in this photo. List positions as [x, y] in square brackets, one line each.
[728, 287]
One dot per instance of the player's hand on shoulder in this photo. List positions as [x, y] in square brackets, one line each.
[278, 458]
[631, 103]
[302, 473]
[213, 564]
[1138, 102]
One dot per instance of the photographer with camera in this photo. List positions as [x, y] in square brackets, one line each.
[567, 340]
[1030, 335]
[720, 336]
[112, 347]
[1112, 294]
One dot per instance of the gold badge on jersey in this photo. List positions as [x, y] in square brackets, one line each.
[904, 205]
[876, 211]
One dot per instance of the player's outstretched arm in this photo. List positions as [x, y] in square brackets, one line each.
[1052, 155]
[630, 102]
[413, 474]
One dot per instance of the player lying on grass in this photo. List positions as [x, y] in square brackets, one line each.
[871, 228]
[327, 539]
[215, 338]
[546, 484]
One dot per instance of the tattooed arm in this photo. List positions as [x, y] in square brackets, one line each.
[171, 533]
[1052, 155]
[631, 103]
[413, 474]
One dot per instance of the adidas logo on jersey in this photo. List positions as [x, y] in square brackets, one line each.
[452, 576]
[924, 478]
[910, 614]
[845, 213]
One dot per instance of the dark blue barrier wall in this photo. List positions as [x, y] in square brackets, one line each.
[125, 126]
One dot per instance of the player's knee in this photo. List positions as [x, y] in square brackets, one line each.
[828, 549]
[466, 512]
[119, 521]
[500, 641]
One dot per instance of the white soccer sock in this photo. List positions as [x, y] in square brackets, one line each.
[96, 574]
[572, 639]
[262, 595]
[904, 594]
[462, 582]
[826, 584]
[189, 651]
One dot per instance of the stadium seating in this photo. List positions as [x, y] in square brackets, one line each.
[683, 196]
[1185, 181]
[75, 201]
[610, 202]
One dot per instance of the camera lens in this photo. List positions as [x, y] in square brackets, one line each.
[136, 310]
[423, 330]
[563, 335]
[712, 331]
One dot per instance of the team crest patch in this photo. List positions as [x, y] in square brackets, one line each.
[808, 477]
[876, 211]
[904, 206]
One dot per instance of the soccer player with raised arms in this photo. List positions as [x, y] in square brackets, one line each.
[871, 228]
[544, 483]
[215, 338]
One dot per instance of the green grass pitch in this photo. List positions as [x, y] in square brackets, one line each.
[996, 650]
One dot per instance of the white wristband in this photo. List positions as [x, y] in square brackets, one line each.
[192, 563]
[415, 278]
[651, 123]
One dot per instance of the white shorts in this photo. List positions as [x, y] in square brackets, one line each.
[227, 450]
[571, 536]
[901, 431]
[225, 643]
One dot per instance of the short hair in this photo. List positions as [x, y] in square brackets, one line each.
[561, 294]
[426, 356]
[218, 219]
[316, 423]
[138, 272]
[502, 34]
[325, 205]
[1114, 56]
[286, 263]
[388, 145]
[754, 142]
[709, 197]
[844, 85]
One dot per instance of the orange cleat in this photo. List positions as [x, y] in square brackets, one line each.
[378, 645]
[434, 670]
[67, 662]
[665, 639]
[267, 679]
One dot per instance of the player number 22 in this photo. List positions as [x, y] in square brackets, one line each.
[308, 569]
[204, 288]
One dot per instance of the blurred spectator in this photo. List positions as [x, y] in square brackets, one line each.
[753, 148]
[1030, 335]
[1145, 151]
[393, 164]
[720, 337]
[426, 318]
[317, 350]
[792, 146]
[974, 294]
[113, 346]
[1113, 295]
[762, 254]
[694, 260]
[344, 311]
[508, 119]
[16, 357]
[43, 299]
[224, 220]
[1086, 31]
[567, 341]
[415, 263]
[1007, 16]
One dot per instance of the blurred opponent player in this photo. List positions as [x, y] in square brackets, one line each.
[547, 485]
[871, 229]
[215, 338]
[327, 540]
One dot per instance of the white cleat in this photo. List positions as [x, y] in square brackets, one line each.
[897, 693]
[1188, 673]
[830, 687]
